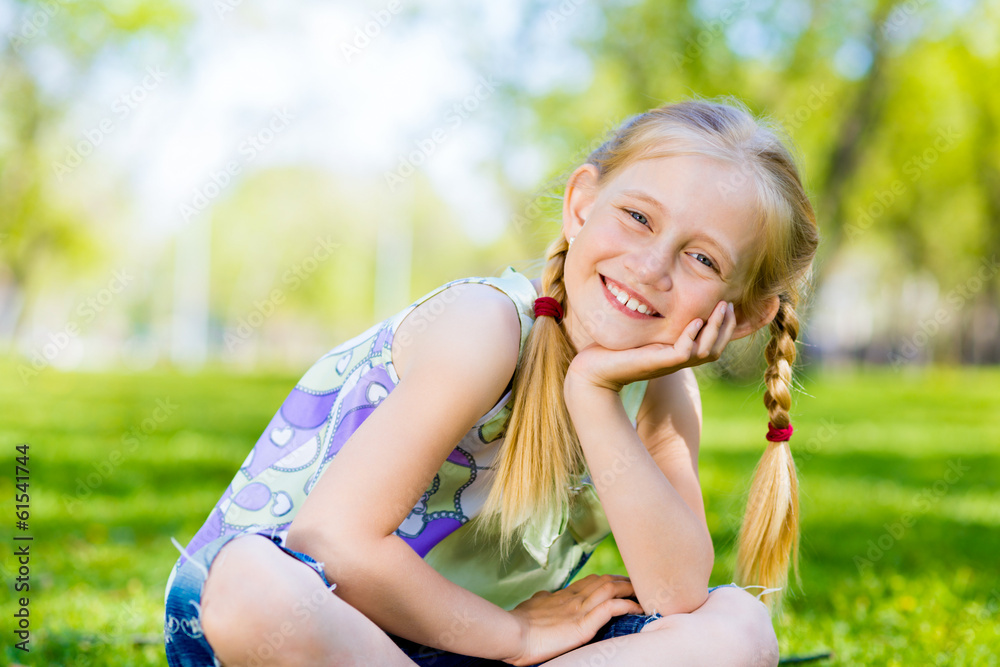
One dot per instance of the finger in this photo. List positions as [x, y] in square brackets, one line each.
[686, 341]
[607, 591]
[602, 588]
[603, 613]
[708, 336]
[592, 582]
[620, 606]
[726, 334]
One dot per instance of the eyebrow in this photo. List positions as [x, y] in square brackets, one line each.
[655, 203]
[649, 199]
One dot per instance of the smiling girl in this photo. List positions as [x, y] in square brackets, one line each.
[430, 488]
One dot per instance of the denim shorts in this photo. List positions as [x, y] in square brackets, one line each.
[186, 645]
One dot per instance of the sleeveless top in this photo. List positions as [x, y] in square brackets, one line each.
[336, 395]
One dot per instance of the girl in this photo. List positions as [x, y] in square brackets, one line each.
[544, 426]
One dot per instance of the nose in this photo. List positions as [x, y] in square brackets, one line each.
[651, 266]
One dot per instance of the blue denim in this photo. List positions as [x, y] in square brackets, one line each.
[425, 656]
[185, 642]
[186, 645]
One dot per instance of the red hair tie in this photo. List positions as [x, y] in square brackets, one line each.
[775, 434]
[546, 305]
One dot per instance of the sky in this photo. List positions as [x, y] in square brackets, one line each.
[346, 87]
[355, 88]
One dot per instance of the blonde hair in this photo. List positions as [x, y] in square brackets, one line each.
[541, 456]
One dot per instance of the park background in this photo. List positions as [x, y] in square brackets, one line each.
[197, 200]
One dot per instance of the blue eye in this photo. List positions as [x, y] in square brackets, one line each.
[704, 259]
[639, 217]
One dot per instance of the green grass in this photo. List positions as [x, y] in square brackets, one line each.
[872, 448]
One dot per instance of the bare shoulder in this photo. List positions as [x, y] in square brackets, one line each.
[465, 322]
[671, 410]
[459, 349]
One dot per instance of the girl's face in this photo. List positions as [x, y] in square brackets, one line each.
[674, 233]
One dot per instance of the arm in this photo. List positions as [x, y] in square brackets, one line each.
[459, 366]
[649, 487]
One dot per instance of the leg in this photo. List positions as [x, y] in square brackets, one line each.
[261, 606]
[732, 629]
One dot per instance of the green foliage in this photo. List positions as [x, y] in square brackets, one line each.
[875, 451]
[871, 448]
[47, 233]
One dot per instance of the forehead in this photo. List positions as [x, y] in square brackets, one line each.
[690, 180]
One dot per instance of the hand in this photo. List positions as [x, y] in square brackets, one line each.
[697, 344]
[554, 623]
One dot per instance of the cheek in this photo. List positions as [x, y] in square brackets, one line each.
[697, 304]
[698, 301]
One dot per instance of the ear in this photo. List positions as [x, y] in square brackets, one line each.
[747, 324]
[578, 200]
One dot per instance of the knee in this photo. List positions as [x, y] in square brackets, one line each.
[252, 602]
[233, 593]
[751, 621]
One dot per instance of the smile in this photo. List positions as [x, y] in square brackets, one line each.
[627, 302]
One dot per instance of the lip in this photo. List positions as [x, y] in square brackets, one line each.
[621, 307]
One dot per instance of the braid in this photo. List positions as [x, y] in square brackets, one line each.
[541, 452]
[769, 535]
[780, 354]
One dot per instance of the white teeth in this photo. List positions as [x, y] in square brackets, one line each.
[630, 303]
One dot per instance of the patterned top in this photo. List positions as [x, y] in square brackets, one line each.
[331, 401]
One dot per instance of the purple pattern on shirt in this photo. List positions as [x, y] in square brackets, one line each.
[434, 531]
[305, 414]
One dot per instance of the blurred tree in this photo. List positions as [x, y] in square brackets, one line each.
[891, 103]
[32, 224]
[38, 222]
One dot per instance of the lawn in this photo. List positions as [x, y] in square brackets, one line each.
[899, 497]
